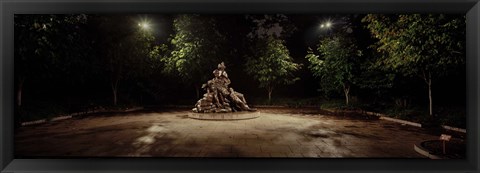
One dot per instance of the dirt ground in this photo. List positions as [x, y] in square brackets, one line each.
[286, 132]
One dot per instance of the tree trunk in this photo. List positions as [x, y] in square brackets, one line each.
[430, 94]
[19, 91]
[114, 92]
[18, 115]
[428, 81]
[346, 90]
[270, 90]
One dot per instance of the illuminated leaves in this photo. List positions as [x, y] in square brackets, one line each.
[271, 63]
[196, 48]
[412, 43]
[423, 45]
[336, 62]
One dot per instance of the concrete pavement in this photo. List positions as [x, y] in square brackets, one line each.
[172, 134]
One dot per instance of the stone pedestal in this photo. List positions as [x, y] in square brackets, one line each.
[225, 116]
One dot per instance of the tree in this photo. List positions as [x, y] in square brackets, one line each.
[264, 26]
[371, 79]
[271, 64]
[46, 46]
[196, 49]
[337, 64]
[125, 50]
[38, 46]
[426, 46]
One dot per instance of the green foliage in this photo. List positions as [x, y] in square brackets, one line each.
[156, 54]
[47, 47]
[426, 46]
[374, 78]
[143, 52]
[414, 44]
[125, 50]
[273, 25]
[44, 43]
[337, 65]
[196, 48]
[271, 64]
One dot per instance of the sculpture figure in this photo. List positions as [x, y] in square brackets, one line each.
[219, 97]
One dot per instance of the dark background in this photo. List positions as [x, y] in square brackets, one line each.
[94, 88]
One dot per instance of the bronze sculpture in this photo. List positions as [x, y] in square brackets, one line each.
[219, 97]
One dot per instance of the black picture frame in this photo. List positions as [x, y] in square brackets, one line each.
[10, 7]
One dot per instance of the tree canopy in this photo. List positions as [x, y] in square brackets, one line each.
[337, 64]
[423, 45]
[271, 64]
[125, 53]
[269, 61]
[47, 44]
[79, 59]
[196, 48]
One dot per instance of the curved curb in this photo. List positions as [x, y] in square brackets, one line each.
[71, 115]
[454, 129]
[423, 151]
[385, 117]
[400, 121]
[224, 116]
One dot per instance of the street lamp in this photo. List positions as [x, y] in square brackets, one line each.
[326, 25]
[326, 28]
[144, 25]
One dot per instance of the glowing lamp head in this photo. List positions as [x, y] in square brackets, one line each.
[328, 24]
[144, 25]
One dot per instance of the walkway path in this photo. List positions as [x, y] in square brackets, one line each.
[172, 134]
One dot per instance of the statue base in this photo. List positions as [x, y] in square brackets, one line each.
[225, 116]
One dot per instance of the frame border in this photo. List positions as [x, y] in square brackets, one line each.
[10, 7]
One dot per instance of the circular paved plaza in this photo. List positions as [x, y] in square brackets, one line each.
[170, 133]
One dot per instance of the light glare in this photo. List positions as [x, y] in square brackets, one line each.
[144, 25]
[328, 25]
